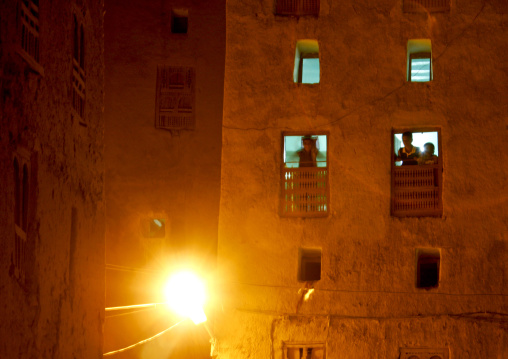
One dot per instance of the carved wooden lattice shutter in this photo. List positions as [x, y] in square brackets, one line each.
[297, 7]
[175, 108]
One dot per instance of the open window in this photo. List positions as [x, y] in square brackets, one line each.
[427, 267]
[417, 167]
[309, 260]
[419, 60]
[179, 21]
[304, 175]
[306, 70]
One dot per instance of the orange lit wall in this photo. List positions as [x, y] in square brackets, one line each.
[366, 304]
[156, 173]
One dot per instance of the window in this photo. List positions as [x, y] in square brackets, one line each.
[304, 175]
[175, 98]
[417, 168]
[419, 60]
[427, 268]
[297, 7]
[29, 50]
[306, 70]
[179, 21]
[424, 353]
[19, 262]
[154, 227]
[304, 351]
[153, 231]
[426, 5]
[309, 268]
[78, 69]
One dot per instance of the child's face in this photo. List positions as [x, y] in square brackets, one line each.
[307, 145]
[429, 150]
[407, 140]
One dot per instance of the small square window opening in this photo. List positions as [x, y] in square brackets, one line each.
[428, 261]
[420, 67]
[310, 70]
[179, 21]
[419, 60]
[153, 227]
[307, 68]
[309, 264]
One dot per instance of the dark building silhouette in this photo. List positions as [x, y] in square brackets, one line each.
[52, 179]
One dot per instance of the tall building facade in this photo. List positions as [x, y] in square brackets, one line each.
[163, 113]
[353, 249]
[335, 168]
[52, 177]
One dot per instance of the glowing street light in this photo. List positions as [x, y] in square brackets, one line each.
[185, 294]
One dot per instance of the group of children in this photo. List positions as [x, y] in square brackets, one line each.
[411, 155]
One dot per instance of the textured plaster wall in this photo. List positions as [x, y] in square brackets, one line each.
[58, 312]
[155, 173]
[367, 288]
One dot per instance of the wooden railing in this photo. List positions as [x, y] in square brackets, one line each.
[426, 5]
[304, 192]
[297, 7]
[416, 191]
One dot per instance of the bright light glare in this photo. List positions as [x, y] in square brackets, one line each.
[157, 222]
[308, 294]
[185, 294]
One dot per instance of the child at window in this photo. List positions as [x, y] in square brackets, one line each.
[428, 157]
[308, 153]
[408, 154]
